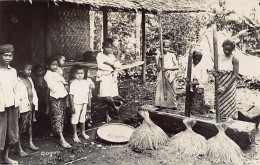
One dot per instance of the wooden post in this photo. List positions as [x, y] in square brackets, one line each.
[215, 46]
[188, 93]
[161, 54]
[48, 32]
[143, 48]
[105, 24]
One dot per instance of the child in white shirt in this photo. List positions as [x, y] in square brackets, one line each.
[80, 90]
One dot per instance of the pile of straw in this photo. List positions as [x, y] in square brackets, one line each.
[221, 149]
[148, 135]
[188, 142]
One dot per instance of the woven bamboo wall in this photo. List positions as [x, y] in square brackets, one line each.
[70, 31]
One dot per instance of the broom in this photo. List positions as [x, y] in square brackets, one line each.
[148, 135]
[188, 142]
[221, 148]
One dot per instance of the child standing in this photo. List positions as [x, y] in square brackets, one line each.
[56, 84]
[107, 75]
[61, 61]
[28, 103]
[8, 103]
[80, 89]
[42, 91]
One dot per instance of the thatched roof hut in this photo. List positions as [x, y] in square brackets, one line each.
[153, 6]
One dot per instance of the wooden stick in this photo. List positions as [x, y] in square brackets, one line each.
[76, 160]
[215, 46]
[188, 93]
[161, 54]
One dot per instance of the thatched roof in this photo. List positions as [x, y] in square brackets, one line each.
[146, 5]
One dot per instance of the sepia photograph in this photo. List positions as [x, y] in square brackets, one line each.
[129, 82]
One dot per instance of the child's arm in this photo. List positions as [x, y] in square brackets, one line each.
[47, 100]
[72, 103]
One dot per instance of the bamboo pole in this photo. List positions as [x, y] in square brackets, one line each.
[143, 48]
[215, 47]
[105, 24]
[161, 54]
[188, 93]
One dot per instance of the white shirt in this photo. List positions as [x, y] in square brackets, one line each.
[8, 83]
[56, 84]
[80, 90]
[24, 103]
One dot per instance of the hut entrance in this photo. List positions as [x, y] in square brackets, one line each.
[16, 29]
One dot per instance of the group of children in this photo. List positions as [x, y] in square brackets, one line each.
[36, 93]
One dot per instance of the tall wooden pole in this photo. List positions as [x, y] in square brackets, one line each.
[188, 92]
[105, 24]
[161, 54]
[48, 35]
[215, 46]
[143, 48]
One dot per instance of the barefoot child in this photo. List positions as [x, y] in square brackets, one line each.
[56, 84]
[28, 103]
[8, 103]
[80, 88]
[107, 65]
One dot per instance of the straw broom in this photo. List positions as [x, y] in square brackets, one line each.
[148, 135]
[188, 142]
[221, 149]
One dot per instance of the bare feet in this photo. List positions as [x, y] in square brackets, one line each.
[65, 144]
[9, 161]
[85, 136]
[22, 153]
[33, 147]
[76, 139]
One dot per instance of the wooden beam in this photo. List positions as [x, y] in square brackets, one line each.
[188, 92]
[47, 32]
[143, 48]
[215, 48]
[243, 133]
[105, 24]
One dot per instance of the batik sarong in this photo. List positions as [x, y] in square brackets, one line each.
[57, 113]
[227, 100]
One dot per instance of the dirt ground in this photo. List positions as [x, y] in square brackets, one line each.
[95, 151]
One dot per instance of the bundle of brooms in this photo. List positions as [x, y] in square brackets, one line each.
[221, 149]
[188, 142]
[148, 135]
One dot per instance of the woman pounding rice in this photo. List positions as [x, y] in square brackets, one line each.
[228, 72]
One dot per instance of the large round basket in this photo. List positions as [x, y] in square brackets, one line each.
[115, 132]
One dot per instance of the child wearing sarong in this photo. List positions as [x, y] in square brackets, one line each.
[166, 78]
[9, 102]
[56, 84]
[107, 75]
[80, 89]
[28, 104]
[228, 72]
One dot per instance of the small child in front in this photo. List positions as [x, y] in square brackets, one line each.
[28, 103]
[80, 88]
